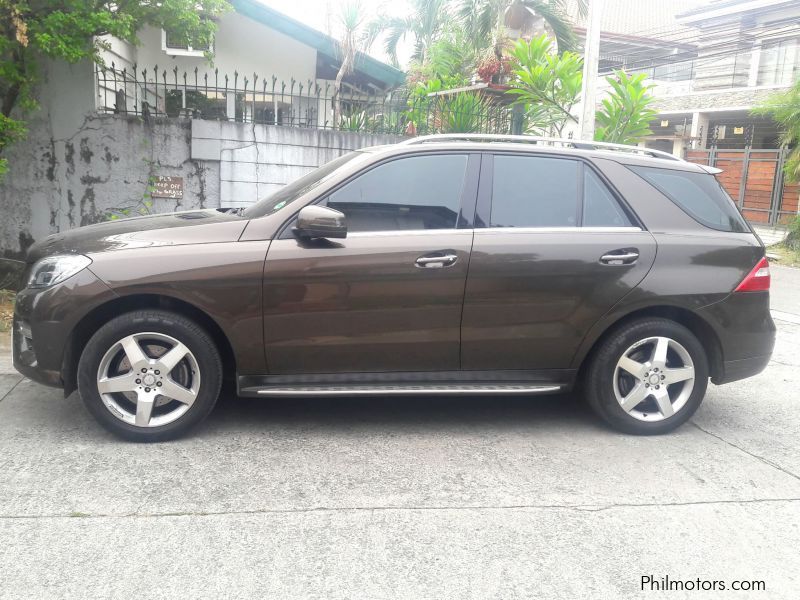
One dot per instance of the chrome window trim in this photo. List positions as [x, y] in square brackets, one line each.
[632, 229]
[409, 232]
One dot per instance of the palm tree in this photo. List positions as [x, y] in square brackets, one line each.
[353, 37]
[486, 20]
[425, 24]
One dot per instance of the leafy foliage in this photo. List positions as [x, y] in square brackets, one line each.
[425, 23]
[625, 114]
[69, 30]
[484, 20]
[547, 84]
[450, 59]
[462, 113]
[784, 108]
[354, 121]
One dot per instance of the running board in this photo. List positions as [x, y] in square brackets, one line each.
[399, 390]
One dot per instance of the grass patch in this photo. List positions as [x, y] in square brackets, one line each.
[789, 255]
[6, 309]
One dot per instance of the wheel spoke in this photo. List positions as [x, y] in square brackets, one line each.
[635, 397]
[134, 352]
[660, 352]
[122, 383]
[144, 408]
[678, 374]
[170, 360]
[633, 367]
[173, 390]
[664, 402]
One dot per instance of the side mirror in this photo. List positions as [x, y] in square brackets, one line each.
[320, 222]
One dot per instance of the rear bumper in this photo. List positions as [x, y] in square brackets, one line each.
[734, 370]
[746, 333]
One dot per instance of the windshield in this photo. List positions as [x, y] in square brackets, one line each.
[291, 192]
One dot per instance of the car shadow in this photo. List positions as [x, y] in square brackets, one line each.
[402, 412]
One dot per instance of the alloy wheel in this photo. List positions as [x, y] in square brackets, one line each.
[148, 379]
[654, 378]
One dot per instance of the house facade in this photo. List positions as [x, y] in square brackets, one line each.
[743, 51]
[262, 66]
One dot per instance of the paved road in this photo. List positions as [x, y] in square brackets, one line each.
[420, 498]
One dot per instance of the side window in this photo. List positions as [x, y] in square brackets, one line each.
[417, 192]
[699, 194]
[600, 208]
[534, 191]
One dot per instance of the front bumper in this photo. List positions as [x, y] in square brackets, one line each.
[44, 321]
[24, 356]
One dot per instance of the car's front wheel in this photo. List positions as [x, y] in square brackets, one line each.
[648, 376]
[150, 375]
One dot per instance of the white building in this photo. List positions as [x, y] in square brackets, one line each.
[264, 66]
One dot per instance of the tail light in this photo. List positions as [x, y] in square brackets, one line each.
[757, 280]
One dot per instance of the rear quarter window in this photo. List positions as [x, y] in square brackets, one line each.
[700, 195]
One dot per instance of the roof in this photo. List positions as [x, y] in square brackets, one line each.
[323, 43]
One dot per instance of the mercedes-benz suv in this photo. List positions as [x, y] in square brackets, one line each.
[455, 264]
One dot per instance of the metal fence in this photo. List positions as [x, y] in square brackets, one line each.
[153, 91]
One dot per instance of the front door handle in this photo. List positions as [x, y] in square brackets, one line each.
[624, 256]
[437, 260]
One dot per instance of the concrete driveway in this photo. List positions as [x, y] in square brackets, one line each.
[407, 498]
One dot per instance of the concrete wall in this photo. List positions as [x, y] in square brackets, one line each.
[77, 167]
[256, 160]
[101, 167]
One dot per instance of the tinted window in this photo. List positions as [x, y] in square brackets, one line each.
[532, 191]
[698, 194]
[600, 208]
[418, 192]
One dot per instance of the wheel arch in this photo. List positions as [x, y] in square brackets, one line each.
[103, 313]
[696, 324]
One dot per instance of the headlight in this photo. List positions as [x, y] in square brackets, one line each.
[55, 269]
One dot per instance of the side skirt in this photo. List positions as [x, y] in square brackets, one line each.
[409, 384]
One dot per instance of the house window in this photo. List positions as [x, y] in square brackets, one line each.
[779, 63]
[177, 44]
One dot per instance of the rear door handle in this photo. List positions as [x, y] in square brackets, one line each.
[437, 260]
[625, 256]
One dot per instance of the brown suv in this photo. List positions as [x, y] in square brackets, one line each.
[443, 265]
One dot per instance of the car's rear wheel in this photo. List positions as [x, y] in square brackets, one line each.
[648, 376]
[150, 375]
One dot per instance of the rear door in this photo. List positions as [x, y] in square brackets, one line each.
[389, 296]
[554, 249]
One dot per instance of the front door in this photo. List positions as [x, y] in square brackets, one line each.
[554, 250]
[389, 296]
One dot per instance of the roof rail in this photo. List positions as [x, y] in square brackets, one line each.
[546, 141]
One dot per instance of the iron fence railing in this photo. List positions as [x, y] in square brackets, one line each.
[154, 91]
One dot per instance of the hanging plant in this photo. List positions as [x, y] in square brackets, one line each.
[488, 68]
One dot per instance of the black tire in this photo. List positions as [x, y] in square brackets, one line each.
[167, 323]
[599, 383]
